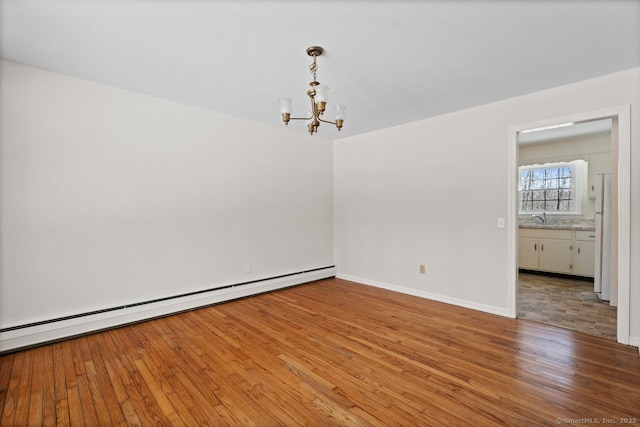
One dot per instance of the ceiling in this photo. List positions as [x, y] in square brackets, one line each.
[390, 62]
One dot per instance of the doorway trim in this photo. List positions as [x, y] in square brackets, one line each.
[623, 114]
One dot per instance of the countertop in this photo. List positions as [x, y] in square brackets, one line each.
[576, 227]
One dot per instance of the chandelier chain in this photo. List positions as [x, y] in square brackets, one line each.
[314, 68]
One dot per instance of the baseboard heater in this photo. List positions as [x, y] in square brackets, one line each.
[21, 336]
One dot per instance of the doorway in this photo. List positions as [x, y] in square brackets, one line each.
[620, 150]
[559, 167]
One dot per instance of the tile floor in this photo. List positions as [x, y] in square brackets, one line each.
[565, 302]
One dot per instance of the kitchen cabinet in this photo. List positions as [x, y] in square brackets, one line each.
[584, 253]
[545, 250]
[557, 251]
[555, 255]
[598, 163]
[528, 253]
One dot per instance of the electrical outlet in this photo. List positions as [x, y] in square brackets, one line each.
[423, 269]
[247, 268]
[500, 222]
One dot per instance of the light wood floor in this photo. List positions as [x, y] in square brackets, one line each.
[327, 353]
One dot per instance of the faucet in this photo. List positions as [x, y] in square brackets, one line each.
[542, 218]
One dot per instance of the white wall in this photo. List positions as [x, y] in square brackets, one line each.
[565, 149]
[110, 197]
[431, 192]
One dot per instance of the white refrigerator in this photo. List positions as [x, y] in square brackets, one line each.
[602, 279]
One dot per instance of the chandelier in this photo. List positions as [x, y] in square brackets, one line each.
[319, 98]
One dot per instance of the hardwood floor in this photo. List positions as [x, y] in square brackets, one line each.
[327, 353]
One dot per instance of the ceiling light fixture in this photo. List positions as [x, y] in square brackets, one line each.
[561, 125]
[319, 98]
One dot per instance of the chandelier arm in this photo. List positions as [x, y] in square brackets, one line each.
[313, 113]
[301, 118]
[326, 121]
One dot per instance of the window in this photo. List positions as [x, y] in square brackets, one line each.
[552, 188]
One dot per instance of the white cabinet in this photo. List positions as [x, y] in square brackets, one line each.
[584, 253]
[598, 163]
[528, 253]
[545, 250]
[555, 255]
[557, 251]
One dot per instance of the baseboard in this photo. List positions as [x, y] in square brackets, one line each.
[635, 342]
[428, 295]
[41, 332]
